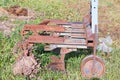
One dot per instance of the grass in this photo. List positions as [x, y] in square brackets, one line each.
[71, 10]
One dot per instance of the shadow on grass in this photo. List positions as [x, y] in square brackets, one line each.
[95, 79]
[44, 56]
[78, 53]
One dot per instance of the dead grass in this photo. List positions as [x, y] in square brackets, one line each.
[71, 10]
[109, 21]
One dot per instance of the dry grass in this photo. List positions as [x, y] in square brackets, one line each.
[71, 10]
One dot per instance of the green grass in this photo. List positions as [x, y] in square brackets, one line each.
[71, 10]
[72, 64]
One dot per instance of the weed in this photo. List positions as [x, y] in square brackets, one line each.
[3, 18]
[71, 10]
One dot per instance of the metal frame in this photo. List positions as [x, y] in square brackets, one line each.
[69, 36]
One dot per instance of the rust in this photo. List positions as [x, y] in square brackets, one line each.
[73, 30]
[45, 39]
[48, 21]
[68, 36]
[87, 67]
[78, 26]
[75, 41]
[44, 28]
[58, 63]
[78, 36]
[87, 20]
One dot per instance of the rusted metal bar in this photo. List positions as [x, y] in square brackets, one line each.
[78, 35]
[55, 40]
[44, 28]
[45, 39]
[69, 46]
[90, 45]
[75, 26]
[73, 30]
[73, 35]
[48, 21]
[75, 41]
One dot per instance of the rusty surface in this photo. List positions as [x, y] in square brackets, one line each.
[78, 26]
[78, 36]
[73, 30]
[55, 40]
[67, 36]
[48, 21]
[44, 28]
[92, 66]
[73, 35]
[87, 20]
[88, 70]
[58, 63]
[45, 39]
[75, 41]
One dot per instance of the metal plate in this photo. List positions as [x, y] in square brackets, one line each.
[92, 67]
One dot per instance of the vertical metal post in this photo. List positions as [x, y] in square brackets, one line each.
[94, 14]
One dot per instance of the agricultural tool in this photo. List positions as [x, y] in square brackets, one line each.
[68, 36]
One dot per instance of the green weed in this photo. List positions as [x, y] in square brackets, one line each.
[71, 10]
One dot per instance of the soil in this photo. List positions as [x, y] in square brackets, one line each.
[114, 32]
[17, 11]
[26, 65]
[14, 13]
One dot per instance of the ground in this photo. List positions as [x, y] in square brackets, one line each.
[71, 10]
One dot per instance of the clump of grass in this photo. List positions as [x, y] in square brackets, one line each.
[4, 18]
[59, 9]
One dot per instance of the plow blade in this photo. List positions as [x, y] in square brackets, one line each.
[56, 64]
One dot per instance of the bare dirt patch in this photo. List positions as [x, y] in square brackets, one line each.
[9, 15]
[109, 22]
[114, 32]
[26, 65]
[17, 11]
